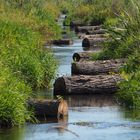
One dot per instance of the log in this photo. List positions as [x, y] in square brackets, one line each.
[49, 108]
[82, 56]
[76, 23]
[62, 42]
[85, 29]
[93, 42]
[97, 67]
[82, 36]
[101, 31]
[85, 84]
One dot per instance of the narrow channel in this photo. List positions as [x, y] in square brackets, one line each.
[95, 117]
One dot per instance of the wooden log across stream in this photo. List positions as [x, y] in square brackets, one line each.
[62, 42]
[82, 36]
[85, 29]
[100, 31]
[82, 56]
[49, 108]
[76, 23]
[85, 84]
[97, 67]
[93, 42]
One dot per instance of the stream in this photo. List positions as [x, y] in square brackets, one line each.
[96, 117]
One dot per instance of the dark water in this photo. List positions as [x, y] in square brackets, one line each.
[95, 117]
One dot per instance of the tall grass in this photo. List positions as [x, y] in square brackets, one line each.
[21, 52]
[25, 64]
[13, 95]
[95, 12]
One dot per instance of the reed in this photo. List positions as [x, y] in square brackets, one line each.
[25, 64]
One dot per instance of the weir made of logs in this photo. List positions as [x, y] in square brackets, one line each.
[97, 67]
[85, 84]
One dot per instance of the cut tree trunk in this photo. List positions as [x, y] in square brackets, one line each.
[82, 56]
[85, 29]
[76, 23]
[97, 67]
[101, 31]
[93, 42]
[49, 108]
[62, 42]
[85, 84]
[82, 36]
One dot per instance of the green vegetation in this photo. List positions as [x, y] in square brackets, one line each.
[13, 95]
[25, 64]
[124, 16]
[93, 12]
[26, 25]
[126, 46]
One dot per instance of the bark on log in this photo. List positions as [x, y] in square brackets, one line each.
[82, 56]
[86, 84]
[76, 23]
[85, 29]
[49, 108]
[62, 42]
[82, 36]
[97, 67]
[101, 31]
[93, 42]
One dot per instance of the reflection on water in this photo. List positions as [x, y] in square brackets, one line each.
[64, 56]
[98, 100]
[53, 120]
[12, 134]
[102, 123]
